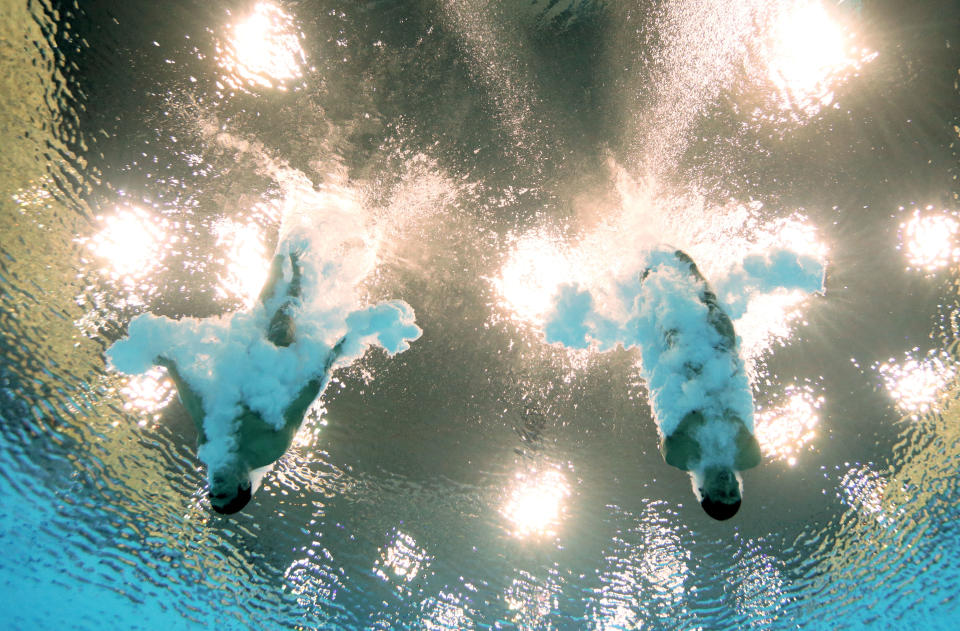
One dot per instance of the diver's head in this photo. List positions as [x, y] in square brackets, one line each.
[230, 491]
[719, 492]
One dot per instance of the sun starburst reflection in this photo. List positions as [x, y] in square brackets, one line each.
[264, 50]
[402, 560]
[131, 242]
[536, 267]
[929, 240]
[918, 386]
[147, 394]
[809, 52]
[245, 258]
[535, 505]
[784, 430]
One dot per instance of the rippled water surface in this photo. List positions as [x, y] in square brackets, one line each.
[482, 479]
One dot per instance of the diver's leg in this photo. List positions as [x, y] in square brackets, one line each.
[190, 399]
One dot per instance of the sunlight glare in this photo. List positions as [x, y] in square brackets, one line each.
[402, 559]
[929, 241]
[245, 258]
[444, 613]
[535, 506]
[531, 600]
[131, 241]
[784, 430]
[918, 387]
[147, 394]
[264, 49]
[533, 273]
[809, 51]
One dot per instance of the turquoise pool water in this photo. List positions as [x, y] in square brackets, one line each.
[483, 478]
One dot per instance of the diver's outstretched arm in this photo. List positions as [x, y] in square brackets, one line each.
[748, 450]
[334, 355]
[190, 399]
[294, 412]
[679, 448]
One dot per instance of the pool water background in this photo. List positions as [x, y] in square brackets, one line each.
[472, 130]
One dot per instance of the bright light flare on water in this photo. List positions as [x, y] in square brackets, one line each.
[402, 559]
[531, 599]
[784, 430]
[246, 261]
[131, 242]
[863, 488]
[535, 506]
[445, 613]
[929, 240]
[646, 572]
[918, 387]
[147, 394]
[759, 594]
[532, 274]
[313, 580]
[264, 49]
[809, 51]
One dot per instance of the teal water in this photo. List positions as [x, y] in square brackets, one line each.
[482, 479]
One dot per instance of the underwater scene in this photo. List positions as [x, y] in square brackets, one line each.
[479, 314]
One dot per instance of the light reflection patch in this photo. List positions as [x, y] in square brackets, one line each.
[862, 488]
[245, 258]
[132, 243]
[760, 588]
[263, 50]
[536, 267]
[36, 197]
[918, 386]
[147, 394]
[445, 613]
[809, 51]
[535, 506]
[644, 578]
[929, 240]
[784, 430]
[401, 561]
[531, 599]
[313, 580]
